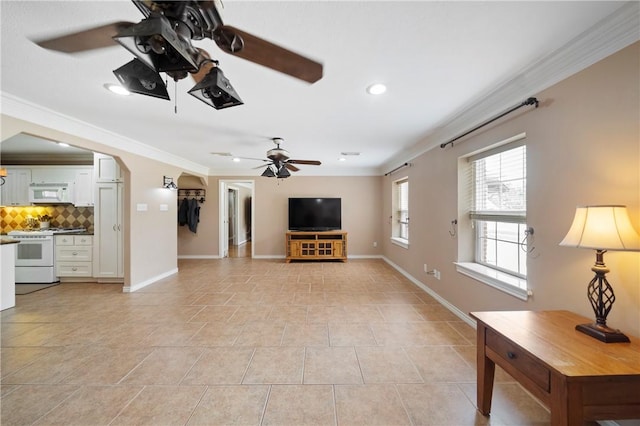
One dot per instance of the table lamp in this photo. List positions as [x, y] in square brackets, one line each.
[602, 228]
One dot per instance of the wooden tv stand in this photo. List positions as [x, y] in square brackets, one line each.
[322, 245]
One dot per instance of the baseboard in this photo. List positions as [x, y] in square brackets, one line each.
[136, 287]
[199, 256]
[457, 312]
[365, 256]
[269, 256]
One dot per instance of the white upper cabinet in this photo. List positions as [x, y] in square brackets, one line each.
[15, 191]
[106, 168]
[84, 190]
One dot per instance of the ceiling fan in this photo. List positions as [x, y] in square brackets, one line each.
[279, 161]
[162, 42]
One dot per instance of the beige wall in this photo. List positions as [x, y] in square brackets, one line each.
[583, 147]
[150, 236]
[361, 213]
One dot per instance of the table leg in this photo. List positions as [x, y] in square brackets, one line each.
[486, 372]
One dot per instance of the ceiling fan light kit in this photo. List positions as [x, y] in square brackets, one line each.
[136, 77]
[216, 90]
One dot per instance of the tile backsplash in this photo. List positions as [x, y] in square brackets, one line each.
[62, 216]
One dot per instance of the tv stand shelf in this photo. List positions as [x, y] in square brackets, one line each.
[322, 245]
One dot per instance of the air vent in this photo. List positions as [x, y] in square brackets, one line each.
[349, 153]
[223, 154]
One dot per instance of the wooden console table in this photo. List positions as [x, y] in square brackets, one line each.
[578, 377]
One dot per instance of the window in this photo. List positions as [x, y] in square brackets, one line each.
[499, 209]
[498, 212]
[400, 218]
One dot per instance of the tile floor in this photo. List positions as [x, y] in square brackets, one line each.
[250, 342]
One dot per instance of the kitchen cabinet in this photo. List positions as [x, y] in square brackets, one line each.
[15, 191]
[53, 174]
[84, 190]
[74, 255]
[109, 231]
[106, 168]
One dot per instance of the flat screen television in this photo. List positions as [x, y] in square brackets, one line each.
[315, 214]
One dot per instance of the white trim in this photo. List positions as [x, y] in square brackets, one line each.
[400, 242]
[19, 108]
[223, 184]
[510, 284]
[457, 312]
[611, 34]
[269, 256]
[365, 256]
[136, 287]
[199, 256]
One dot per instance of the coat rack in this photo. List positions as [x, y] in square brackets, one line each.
[200, 194]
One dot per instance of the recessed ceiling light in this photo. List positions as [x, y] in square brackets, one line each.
[342, 159]
[236, 159]
[64, 145]
[376, 89]
[117, 89]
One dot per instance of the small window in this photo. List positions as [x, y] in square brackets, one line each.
[400, 218]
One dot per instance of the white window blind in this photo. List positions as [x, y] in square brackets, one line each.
[402, 208]
[498, 208]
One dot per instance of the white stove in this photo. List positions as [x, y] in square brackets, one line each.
[35, 255]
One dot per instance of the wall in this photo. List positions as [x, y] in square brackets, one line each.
[583, 147]
[150, 236]
[361, 213]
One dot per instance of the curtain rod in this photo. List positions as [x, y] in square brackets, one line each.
[529, 101]
[398, 168]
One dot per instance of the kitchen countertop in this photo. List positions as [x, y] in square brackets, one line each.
[4, 241]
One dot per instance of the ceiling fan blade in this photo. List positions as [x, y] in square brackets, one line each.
[93, 38]
[261, 166]
[309, 162]
[291, 167]
[256, 159]
[244, 45]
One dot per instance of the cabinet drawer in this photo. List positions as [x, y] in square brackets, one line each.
[82, 240]
[513, 355]
[74, 269]
[64, 240]
[73, 253]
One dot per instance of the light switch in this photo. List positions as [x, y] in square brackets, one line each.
[141, 207]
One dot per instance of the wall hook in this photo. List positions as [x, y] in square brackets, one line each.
[454, 228]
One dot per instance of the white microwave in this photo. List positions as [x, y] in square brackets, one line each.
[50, 193]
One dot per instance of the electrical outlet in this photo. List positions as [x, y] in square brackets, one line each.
[375, 244]
[425, 267]
[436, 274]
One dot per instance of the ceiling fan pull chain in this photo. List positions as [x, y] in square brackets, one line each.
[175, 96]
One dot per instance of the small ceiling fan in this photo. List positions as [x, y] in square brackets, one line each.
[278, 159]
[162, 42]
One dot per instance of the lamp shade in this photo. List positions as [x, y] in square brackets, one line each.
[602, 228]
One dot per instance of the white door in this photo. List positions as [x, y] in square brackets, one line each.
[225, 221]
[108, 252]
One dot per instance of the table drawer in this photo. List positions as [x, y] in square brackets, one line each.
[515, 356]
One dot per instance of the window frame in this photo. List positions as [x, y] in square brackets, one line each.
[509, 281]
[397, 225]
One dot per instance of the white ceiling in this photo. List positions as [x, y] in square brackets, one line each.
[437, 59]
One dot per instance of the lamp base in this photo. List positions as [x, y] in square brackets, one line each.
[604, 334]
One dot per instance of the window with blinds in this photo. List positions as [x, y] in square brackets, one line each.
[401, 209]
[499, 207]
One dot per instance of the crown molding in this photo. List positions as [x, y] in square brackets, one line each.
[608, 36]
[13, 106]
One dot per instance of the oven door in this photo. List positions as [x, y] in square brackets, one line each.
[34, 251]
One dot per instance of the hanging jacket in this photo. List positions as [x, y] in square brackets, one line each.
[183, 212]
[193, 216]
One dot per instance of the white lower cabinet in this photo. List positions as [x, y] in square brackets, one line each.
[109, 231]
[74, 255]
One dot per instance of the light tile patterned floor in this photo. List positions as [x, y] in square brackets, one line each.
[250, 342]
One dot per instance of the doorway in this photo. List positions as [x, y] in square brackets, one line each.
[236, 218]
